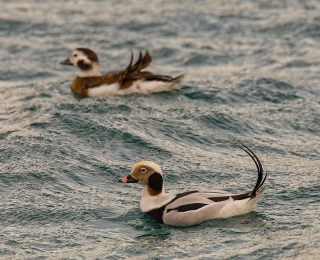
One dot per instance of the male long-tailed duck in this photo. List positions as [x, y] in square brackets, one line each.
[90, 82]
[191, 207]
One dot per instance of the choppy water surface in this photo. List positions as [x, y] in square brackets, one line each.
[252, 74]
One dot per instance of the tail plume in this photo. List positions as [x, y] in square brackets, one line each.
[135, 72]
[141, 63]
[258, 189]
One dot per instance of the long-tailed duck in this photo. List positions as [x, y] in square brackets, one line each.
[191, 207]
[90, 82]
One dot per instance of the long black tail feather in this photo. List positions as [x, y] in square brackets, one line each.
[261, 179]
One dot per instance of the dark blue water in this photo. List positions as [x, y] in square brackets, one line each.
[253, 74]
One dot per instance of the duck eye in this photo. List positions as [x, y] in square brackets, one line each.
[143, 170]
[75, 55]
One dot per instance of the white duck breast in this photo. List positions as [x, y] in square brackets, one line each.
[133, 79]
[192, 207]
[139, 86]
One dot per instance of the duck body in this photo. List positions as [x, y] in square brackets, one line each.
[81, 86]
[191, 207]
[90, 82]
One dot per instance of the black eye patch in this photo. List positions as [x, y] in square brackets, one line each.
[155, 181]
[84, 66]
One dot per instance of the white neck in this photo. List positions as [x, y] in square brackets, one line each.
[94, 72]
[149, 202]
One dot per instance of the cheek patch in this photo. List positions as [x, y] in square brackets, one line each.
[84, 66]
[155, 183]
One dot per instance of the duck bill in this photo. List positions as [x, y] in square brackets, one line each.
[128, 179]
[66, 62]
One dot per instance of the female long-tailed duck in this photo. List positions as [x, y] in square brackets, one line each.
[90, 82]
[191, 207]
